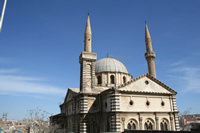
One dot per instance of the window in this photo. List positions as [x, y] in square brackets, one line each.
[148, 125]
[124, 79]
[146, 82]
[112, 79]
[129, 126]
[132, 124]
[147, 103]
[131, 102]
[164, 125]
[162, 103]
[106, 105]
[99, 80]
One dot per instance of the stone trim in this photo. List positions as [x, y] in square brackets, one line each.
[150, 77]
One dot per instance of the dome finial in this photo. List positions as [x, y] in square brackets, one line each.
[107, 55]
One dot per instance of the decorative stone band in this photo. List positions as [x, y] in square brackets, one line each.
[150, 54]
[175, 112]
[115, 122]
[84, 104]
[83, 125]
[115, 102]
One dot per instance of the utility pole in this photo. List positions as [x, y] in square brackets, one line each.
[2, 14]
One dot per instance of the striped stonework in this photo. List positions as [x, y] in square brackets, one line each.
[115, 102]
[175, 112]
[115, 122]
[83, 112]
[84, 104]
[83, 125]
[115, 118]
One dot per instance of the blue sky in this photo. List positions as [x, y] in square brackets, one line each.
[41, 41]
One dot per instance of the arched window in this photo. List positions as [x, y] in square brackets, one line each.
[129, 126]
[145, 126]
[161, 126]
[112, 79]
[164, 125]
[132, 124]
[148, 125]
[99, 80]
[124, 79]
[133, 127]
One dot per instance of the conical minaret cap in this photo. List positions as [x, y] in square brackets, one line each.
[147, 34]
[88, 27]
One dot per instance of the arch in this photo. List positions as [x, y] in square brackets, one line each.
[99, 80]
[112, 79]
[132, 124]
[124, 79]
[149, 124]
[164, 124]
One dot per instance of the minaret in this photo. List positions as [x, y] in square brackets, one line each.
[87, 61]
[88, 36]
[149, 55]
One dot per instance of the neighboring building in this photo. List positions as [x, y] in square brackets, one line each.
[11, 126]
[110, 100]
[188, 119]
[188, 122]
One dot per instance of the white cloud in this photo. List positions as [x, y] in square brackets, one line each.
[12, 82]
[20, 78]
[176, 63]
[15, 84]
[188, 76]
[5, 71]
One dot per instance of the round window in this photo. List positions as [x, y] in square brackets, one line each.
[163, 103]
[147, 103]
[146, 82]
[131, 102]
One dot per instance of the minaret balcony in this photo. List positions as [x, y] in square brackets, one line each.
[150, 55]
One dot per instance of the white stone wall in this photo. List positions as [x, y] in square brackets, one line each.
[139, 103]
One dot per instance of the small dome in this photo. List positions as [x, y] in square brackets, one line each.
[110, 65]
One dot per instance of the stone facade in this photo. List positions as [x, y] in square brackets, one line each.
[110, 100]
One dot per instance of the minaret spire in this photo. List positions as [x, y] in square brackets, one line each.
[149, 55]
[88, 36]
[87, 61]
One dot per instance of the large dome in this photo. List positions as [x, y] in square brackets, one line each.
[110, 65]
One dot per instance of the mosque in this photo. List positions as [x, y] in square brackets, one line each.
[111, 100]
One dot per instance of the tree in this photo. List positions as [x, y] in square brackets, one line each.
[38, 122]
